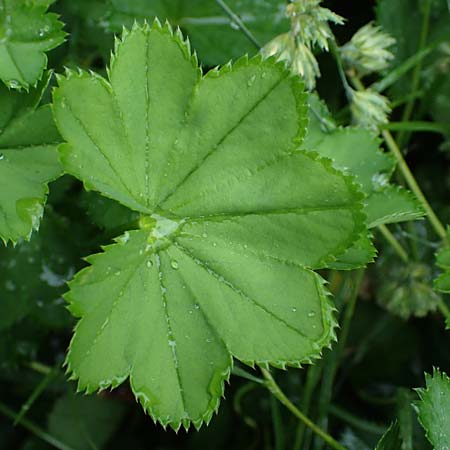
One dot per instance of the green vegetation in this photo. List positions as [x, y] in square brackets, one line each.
[195, 195]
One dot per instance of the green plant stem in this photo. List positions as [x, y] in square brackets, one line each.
[312, 378]
[273, 387]
[413, 185]
[337, 57]
[418, 126]
[395, 75]
[238, 21]
[348, 294]
[36, 430]
[40, 368]
[394, 242]
[407, 112]
[40, 388]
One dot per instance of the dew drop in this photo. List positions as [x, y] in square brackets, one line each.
[13, 84]
[251, 81]
[204, 235]
[149, 264]
[117, 273]
[2, 156]
[174, 264]
[234, 25]
[197, 306]
[294, 309]
[311, 314]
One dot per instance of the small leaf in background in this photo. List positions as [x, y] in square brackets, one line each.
[28, 161]
[168, 305]
[49, 263]
[406, 289]
[403, 19]
[216, 38]
[107, 214]
[391, 439]
[357, 152]
[85, 423]
[433, 409]
[26, 33]
[442, 282]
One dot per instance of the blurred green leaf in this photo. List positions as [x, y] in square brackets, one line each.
[26, 33]
[85, 423]
[391, 439]
[212, 33]
[28, 161]
[433, 409]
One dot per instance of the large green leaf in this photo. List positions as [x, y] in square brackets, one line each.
[28, 161]
[434, 409]
[26, 33]
[233, 220]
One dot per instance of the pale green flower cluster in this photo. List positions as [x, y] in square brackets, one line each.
[309, 28]
[369, 109]
[367, 51]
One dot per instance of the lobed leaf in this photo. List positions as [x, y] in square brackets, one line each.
[357, 151]
[26, 33]
[234, 218]
[433, 409]
[28, 161]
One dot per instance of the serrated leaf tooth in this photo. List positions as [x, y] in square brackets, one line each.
[136, 26]
[168, 28]
[156, 24]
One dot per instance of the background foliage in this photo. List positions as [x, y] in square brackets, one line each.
[390, 336]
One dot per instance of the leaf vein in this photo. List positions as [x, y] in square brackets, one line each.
[227, 134]
[235, 289]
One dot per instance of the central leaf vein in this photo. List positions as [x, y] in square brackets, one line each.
[171, 337]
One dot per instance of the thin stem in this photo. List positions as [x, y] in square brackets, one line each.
[417, 126]
[394, 242]
[349, 293]
[279, 394]
[413, 185]
[238, 21]
[312, 378]
[417, 71]
[40, 367]
[337, 57]
[36, 430]
[40, 388]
